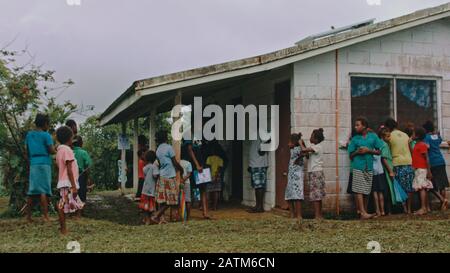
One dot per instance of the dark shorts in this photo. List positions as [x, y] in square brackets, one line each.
[82, 192]
[379, 183]
[140, 186]
[440, 179]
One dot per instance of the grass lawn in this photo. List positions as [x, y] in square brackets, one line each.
[112, 224]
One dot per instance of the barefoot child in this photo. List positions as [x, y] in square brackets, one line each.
[438, 165]
[316, 177]
[379, 184]
[166, 188]
[215, 187]
[294, 189]
[361, 149]
[141, 175]
[422, 170]
[186, 182]
[151, 172]
[386, 159]
[67, 177]
[39, 145]
[84, 162]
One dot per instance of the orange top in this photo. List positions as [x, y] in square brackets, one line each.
[141, 166]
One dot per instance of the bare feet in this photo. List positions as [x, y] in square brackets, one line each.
[29, 220]
[420, 212]
[366, 216]
[46, 219]
[63, 231]
[444, 205]
[154, 219]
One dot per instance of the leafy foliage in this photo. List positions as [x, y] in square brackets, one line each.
[24, 91]
[101, 144]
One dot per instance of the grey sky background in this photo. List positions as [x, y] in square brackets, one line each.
[105, 45]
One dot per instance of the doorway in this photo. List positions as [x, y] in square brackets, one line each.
[236, 161]
[282, 155]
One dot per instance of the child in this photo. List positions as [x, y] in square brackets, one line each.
[388, 167]
[361, 149]
[294, 189]
[39, 145]
[186, 182]
[422, 170]
[166, 188]
[84, 162]
[67, 178]
[438, 165]
[316, 177]
[412, 138]
[215, 187]
[151, 172]
[379, 184]
[141, 175]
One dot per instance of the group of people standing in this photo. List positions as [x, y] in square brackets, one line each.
[73, 164]
[300, 156]
[160, 188]
[391, 166]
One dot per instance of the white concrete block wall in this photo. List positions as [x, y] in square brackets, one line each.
[420, 51]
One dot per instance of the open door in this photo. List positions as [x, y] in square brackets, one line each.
[282, 155]
[236, 161]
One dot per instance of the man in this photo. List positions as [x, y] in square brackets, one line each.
[258, 164]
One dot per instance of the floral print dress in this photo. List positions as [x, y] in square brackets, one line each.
[294, 189]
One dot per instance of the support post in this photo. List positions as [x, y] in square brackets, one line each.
[123, 160]
[177, 143]
[135, 154]
[338, 187]
[152, 131]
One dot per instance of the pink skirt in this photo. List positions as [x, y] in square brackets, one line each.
[67, 202]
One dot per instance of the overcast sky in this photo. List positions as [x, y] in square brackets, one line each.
[105, 45]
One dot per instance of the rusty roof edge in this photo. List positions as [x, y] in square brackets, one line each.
[276, 55]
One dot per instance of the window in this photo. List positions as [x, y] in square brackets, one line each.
[406, 100]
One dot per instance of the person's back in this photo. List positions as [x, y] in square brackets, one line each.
[83, 158]
[37, 145]
[256, 160]
[165, 153]
[215, 162]
[399, 144]
[435, 155]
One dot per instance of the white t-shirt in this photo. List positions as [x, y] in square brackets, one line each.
[377, 165]
[315, 162]
[256, 160]
[187, 168]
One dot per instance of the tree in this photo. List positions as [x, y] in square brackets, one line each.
[24, 91]
[101, 144]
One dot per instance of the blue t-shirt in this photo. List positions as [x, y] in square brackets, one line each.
[434, 152]
[165, 153]
[37, 143]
